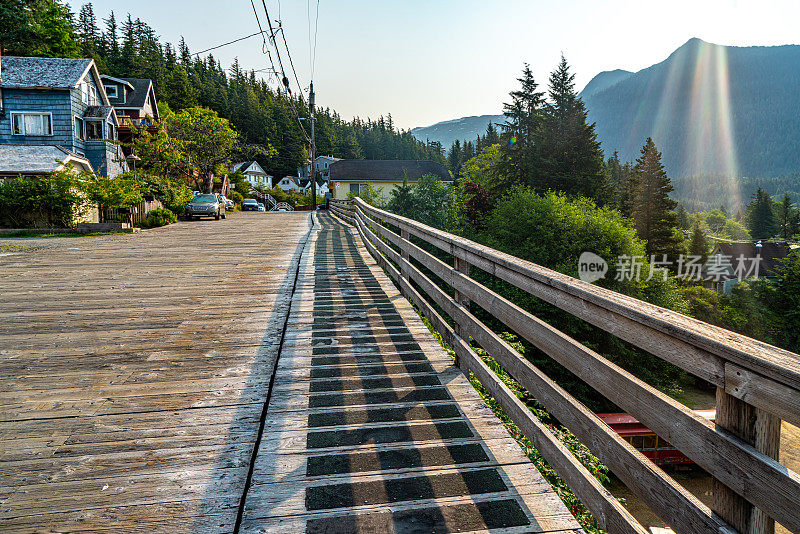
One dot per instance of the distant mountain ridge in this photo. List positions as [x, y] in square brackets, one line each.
[447, 132]
[711, 110]
[604, 80]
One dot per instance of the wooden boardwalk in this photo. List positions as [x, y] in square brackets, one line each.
[135, 371]
[371, 428]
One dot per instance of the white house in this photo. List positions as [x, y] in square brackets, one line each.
[290, 183]
[253, 173]
[322, 188]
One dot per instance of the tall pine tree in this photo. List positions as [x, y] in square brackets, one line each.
[570, 156]
[523, 119]
[760, 217]
[653, 214]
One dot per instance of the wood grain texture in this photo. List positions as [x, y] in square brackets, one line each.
[133, 370]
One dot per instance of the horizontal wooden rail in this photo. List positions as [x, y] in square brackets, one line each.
[756, 375]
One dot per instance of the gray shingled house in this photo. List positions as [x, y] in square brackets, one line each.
[54, 113]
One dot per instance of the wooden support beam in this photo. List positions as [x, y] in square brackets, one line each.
[761, 430]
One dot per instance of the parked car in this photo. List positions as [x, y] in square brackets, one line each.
[207, 205]
[229, 204]
[261, 207]
[249, 204]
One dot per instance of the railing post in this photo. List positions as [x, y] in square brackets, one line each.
[760, 429]
[404, 253]
[463, 267]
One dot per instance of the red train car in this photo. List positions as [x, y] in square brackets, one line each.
[658, 450]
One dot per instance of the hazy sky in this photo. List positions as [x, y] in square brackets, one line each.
[428, 61]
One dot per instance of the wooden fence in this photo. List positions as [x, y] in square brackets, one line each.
[757, 384]
[138, 212]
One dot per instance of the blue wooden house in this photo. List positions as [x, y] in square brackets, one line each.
[56, 107]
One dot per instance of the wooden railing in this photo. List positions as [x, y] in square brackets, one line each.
[757, 384]
[138, 212]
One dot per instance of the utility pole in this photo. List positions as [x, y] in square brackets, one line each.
[313, 151]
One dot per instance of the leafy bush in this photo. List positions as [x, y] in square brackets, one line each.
[429, 201]
[159, 217]
[553, 230]
[113, 193]
[173, 194]
[371, 194]
[33, 201]
[236, 197]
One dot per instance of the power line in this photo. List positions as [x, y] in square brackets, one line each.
[289, 55]
[228, 43]
[285, 80]
[312, 51]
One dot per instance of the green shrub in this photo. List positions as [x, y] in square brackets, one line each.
[173, 194]
[236, 197]
[159, 217]
[34, 201]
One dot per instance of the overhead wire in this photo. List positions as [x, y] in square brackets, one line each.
[228, 43]
[312, 50]
[285, 79]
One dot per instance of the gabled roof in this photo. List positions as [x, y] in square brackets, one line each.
[386, 170]
[57, 73]
[47, 73]
[137, 97]
[117, 80]
[248, 166]
[771, 255]
[37, 159]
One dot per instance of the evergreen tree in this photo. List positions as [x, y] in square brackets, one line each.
[653, 214]
[87, 31]
[110, 41]
[181, 92]
[37, 28]
[523, 118]
[760, 218]
[455, 158]
[569, 152]
[786, 216]
[683, 217]
[401, 199]
[491, 137]
[698, 243]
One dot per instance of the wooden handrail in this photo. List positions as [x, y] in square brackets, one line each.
[750, 375]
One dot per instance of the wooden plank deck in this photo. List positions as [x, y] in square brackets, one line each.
[371, 428]
[134, 372]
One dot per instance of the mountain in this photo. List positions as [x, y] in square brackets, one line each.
[604, 80]
[448, 131]
[711, 110]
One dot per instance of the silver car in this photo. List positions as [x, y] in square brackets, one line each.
[206, 205]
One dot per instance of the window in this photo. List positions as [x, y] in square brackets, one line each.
[31, 124]
[88, 94]
[111, 131]
[79, 133]
[111, 91]
[355, 189]
[94, 129]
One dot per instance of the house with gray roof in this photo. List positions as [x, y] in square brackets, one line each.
[134, 100]
[348, 176]
[253, 173]
[54, 107]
